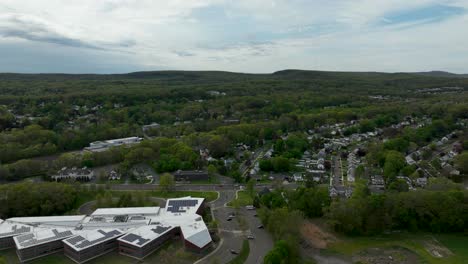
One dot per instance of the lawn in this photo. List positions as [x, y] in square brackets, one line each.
[209, 196]
[457, 243]
[417, 243]
[243, 199]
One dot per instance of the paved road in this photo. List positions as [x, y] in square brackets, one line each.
[188, 187]
[263, 241]
[232, 234]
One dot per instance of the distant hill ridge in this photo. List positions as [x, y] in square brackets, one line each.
[214, 75]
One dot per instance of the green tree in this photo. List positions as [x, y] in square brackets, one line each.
[398, 185]
[461, 162]
[166, 182]
[394, 162]
[280, 164]
[250, 188]
[212, 171]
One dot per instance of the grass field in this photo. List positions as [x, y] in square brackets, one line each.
[243, 199]
[420, 244]
[209, 196]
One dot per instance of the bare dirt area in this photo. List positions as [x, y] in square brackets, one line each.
[386, 256]
[436, 249]
[315, 240]
[316, 236]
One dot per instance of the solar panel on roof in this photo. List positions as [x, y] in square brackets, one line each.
[160, 229]
[132, 237]
[81, 242]
[23, 238]
[30, 240]
[15, 230]
[175, 206]
[75, 240]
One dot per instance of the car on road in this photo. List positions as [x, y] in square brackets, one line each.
[260, 227]
[250, 237]
[250, 207]
[229, 219]
[234, 252]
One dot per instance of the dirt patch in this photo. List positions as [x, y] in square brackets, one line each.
[436, 249]
[386, 256]
[316, 236]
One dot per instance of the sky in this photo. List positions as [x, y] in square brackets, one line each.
[257, 36]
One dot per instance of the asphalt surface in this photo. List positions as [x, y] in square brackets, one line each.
[262, 242]
[233, 234]
[229, 231]
[189, 187]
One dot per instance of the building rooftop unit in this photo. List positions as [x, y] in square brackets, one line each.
[90, 238]
[41, 236]
[74, 173]
[127, 211]
[121, 218]
[62, 221]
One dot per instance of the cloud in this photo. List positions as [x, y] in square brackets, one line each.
[33, 29]
[242, 35]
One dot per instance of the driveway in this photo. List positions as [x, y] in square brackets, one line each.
[263, 241]
[232, 235]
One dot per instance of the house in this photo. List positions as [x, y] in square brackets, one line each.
[377, 181]
[151, 126]
[409, 159]
[298, 177]
[99, 146]
[77, 174]
[113, 175]
[231, 121]
[421, 182]
[340, 191]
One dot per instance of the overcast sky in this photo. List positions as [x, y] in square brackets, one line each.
[115, 36]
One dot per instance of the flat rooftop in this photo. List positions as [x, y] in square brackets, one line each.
[8, 229]
[145, 234]
[183, 206]
[65, 221]
[127, 211]
[134, 225]
[87, 239]
[41, 236]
